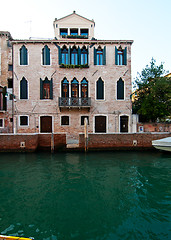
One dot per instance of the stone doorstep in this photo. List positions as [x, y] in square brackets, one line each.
[72, 145]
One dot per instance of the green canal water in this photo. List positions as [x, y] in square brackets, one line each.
[94, 196]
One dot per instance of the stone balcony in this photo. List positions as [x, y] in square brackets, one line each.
[71, 102]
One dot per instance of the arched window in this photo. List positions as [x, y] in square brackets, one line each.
[100, 56]
[84, 56]
[46, 89]
[64, 52]
[120, 89]
[23, 89]
[100, 89]
[46, 55]
[120, 56]
[84, 88]
[23, 56]
[74, 56]
[74, 88]
[65, 88]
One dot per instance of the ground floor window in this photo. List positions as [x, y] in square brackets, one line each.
[65, 120]
[82, 119]
[23, 120]
[1, 122]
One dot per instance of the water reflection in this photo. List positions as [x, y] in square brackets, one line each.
[86, 196]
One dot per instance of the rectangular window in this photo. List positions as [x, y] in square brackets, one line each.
[10, 67]
[82, 120]
[65, 120]
[84, 32]
[63, 31]
[74, 31]
[10, 83]
[1, 122]
[23, 120]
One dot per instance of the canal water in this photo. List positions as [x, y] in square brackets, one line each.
[94, 196]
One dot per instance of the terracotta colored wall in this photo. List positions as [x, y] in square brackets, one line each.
[121, 141]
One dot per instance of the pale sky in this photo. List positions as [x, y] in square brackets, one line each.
[147, 22]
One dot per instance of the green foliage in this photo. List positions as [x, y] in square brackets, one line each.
[153, 100]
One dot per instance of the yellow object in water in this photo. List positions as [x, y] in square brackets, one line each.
[14, 238]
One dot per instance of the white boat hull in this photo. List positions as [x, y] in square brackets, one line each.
[163, 144]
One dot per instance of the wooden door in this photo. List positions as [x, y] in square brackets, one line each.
[124, 124]
[100, 124]
[46, 124]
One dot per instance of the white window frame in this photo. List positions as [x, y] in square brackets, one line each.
[20, 121]
[2, 123]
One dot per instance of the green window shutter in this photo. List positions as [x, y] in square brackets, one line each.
[125, 56]
[79, 56]
[120, 89]
[88, 55]
[59, 55]
[23, 89]
[95, 56]
[69, 55]
[41, 89]
[104, 55]
[51, 88]
[116, 56]
[4, 99]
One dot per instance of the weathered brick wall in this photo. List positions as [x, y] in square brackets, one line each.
[47, 140]
[121, 141]
[30, 142]
[11, 142]
[154, 127]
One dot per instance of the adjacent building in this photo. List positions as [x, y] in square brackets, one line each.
[59, 82]
[6, 81]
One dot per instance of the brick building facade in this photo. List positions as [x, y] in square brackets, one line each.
[6, 81]
[59, 82]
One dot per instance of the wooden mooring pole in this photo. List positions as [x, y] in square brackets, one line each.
[86, 134]
[52, 143]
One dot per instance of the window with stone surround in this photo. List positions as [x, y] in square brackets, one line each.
[120, 89]
[1, 122]
[23, 89]
[65, 88]
[82, 120]
[46, 56]
[100, 89]
[46, 89]
[24, 121]
[64, 120]
[23, 56]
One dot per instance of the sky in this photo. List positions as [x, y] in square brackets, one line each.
[146, 22]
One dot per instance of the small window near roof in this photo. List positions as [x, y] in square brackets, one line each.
[63, 31]
[74, 31]
[65, 120]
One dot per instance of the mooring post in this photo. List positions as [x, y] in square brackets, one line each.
[86, 134]
[52, 143]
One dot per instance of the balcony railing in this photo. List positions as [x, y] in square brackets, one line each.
[74, 102]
